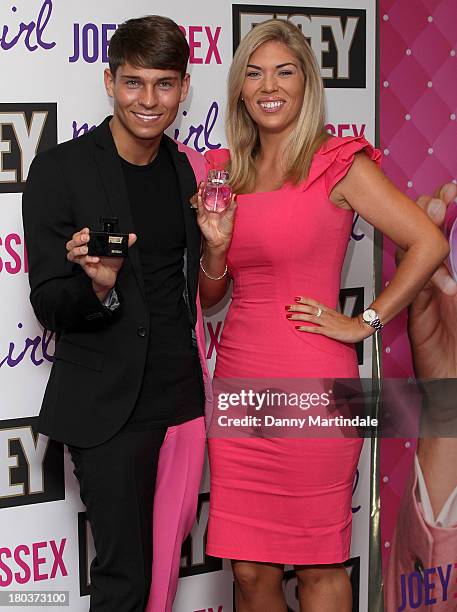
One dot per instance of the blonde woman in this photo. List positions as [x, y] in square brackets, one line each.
[288, 501]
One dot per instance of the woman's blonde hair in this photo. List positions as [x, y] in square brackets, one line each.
[242, 133]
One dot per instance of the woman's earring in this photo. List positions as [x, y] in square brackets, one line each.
[242, 99]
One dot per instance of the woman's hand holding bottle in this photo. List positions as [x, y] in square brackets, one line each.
[216, 208]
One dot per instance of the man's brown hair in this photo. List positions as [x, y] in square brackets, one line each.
[149, 42]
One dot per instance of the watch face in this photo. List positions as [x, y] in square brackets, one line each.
[369, 315]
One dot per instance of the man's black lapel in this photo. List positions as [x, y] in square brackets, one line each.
[117, 203]
[188, 187]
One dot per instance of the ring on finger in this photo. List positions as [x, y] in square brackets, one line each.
[319, 312]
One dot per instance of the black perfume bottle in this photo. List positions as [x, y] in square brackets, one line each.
[108, 242]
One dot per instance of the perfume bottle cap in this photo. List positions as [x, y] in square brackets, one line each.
[218, 176]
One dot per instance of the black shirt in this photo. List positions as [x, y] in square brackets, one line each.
[172, 388]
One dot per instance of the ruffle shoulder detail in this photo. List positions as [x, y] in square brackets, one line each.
[333, 160]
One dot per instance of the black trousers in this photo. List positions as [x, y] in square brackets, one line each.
[117, 481]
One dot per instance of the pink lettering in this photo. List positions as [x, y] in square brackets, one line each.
[197, 45]
[361, 132]
[213, 337]
[12, 269]
[212, 42]
[22, 579]
[13, 257]
[26, 260]
[193, 44]
[28, 561]
[37, 561]
[8, 579]
[341, 129]
[58, 558]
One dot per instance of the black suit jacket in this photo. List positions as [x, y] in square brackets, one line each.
[100, 356]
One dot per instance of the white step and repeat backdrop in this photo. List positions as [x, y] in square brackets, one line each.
[52, 56]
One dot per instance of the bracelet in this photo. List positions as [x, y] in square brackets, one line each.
[215, 278]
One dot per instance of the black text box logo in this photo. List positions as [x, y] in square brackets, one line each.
[336, 35]
[194, 559]
[351, 303]
[25, 130]
[31, 465]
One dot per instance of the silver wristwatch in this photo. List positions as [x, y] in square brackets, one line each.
[371, 317]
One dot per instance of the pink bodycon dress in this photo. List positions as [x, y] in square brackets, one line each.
[285, 500]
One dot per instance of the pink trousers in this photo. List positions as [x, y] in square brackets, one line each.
[175, 504]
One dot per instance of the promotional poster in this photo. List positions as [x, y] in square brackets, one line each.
[389, 74]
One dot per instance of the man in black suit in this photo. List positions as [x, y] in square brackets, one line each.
[127, 380]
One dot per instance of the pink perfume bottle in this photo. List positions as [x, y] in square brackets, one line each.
[450, 231]
[216, 193]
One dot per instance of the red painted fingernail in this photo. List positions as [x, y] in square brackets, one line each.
[288, 307]
[296, 327]
[297, 299]
[289, 316]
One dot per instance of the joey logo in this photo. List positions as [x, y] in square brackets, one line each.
[25, 130]
[31, 465]
[336, 35]
[91, 42]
